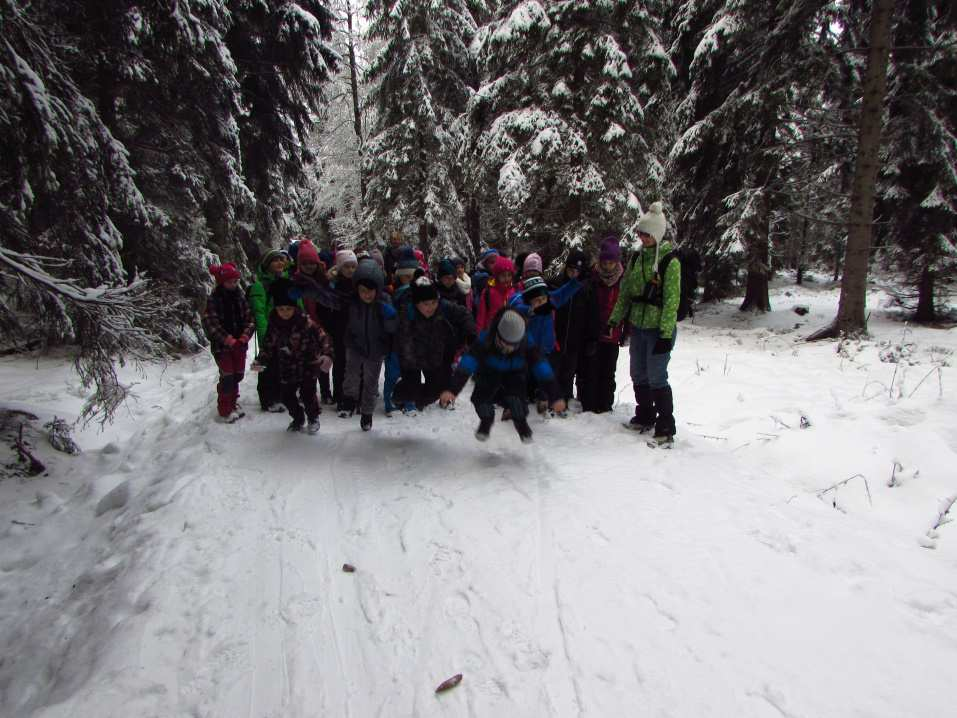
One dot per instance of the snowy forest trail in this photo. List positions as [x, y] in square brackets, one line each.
[584, 575]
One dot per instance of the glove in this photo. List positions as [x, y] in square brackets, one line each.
[591, 349]
[325, 363]
[388, 311]
[230, 341]
[663, 346]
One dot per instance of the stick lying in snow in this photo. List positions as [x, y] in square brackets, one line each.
[449, 683]
[348, 568]
[36, 466]
[820, 494]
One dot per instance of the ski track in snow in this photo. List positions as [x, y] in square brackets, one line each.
[191, 569]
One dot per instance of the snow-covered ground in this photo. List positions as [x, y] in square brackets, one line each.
[179, 567]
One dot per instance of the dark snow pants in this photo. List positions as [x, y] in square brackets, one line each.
[267, 386]
[412, 388]
[597, 390]
[361, 383]
[505, 389]
[306, 392]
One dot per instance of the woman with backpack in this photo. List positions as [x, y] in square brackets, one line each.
[649, 301]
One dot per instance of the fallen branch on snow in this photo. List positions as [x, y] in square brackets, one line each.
[36, 466]
[839, 484]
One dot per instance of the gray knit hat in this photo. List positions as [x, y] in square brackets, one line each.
[511, 327]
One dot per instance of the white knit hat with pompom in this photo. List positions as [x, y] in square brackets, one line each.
[653, 222]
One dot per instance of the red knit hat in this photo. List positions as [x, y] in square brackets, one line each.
[307, 253]
[224, 272]
[502, 265]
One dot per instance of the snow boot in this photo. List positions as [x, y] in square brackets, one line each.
[276, 408]
[313, 426]
[523, 429]
[294, 426]
[365, 422]
[665, 408]
[484, 429]
[346, 408]
[506, 414]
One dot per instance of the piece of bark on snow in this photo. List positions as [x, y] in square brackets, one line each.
[449, 683]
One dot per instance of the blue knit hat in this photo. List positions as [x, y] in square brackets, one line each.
[407, 259]
[446, 269]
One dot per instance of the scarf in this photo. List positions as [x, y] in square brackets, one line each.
[611, 278]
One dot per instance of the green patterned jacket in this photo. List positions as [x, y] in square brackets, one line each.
[644, 315]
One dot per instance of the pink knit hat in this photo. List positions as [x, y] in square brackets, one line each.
[533, 263]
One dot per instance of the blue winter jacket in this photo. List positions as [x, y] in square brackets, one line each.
[541, 324]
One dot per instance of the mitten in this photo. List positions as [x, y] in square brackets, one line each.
[663, 345]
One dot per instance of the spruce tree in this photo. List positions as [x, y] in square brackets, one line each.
[420, 90]
[917, 187]
[284, 58]
[563, 126]
[726, 184]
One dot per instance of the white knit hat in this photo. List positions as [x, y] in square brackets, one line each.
[653, 222]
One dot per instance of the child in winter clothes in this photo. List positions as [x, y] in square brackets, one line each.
[295, 349]
[369, 328]
[229, 324]
[537, 304]
[481, 275]
[598, 371]
[649, 302]
[574, 328]
[448, 288]
[406, 269]
[318, 300]
[532, 266]
[497, 292]
[429, 334]
[463, 281]
[500, 360]
[272, 266]
[343, 286]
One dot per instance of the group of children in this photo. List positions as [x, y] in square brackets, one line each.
[525, 340]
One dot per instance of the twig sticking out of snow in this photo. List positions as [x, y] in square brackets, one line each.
[835, 487]
[942, 516]
[894, 469]
[940, 382]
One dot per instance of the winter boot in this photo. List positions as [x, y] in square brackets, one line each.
[365, 422]
[506, 414]
[346, 408]
[644, 419]
[313, 426]
[664, 406]
[276, 408]
[523, 429]
[484, 429]
[294, 426]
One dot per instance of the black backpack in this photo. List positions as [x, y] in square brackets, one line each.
[690, 267]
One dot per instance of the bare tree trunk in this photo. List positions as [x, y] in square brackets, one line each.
[925, 297]
[851, 318]
[473, 225]
[356, 110]
[756, 294]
